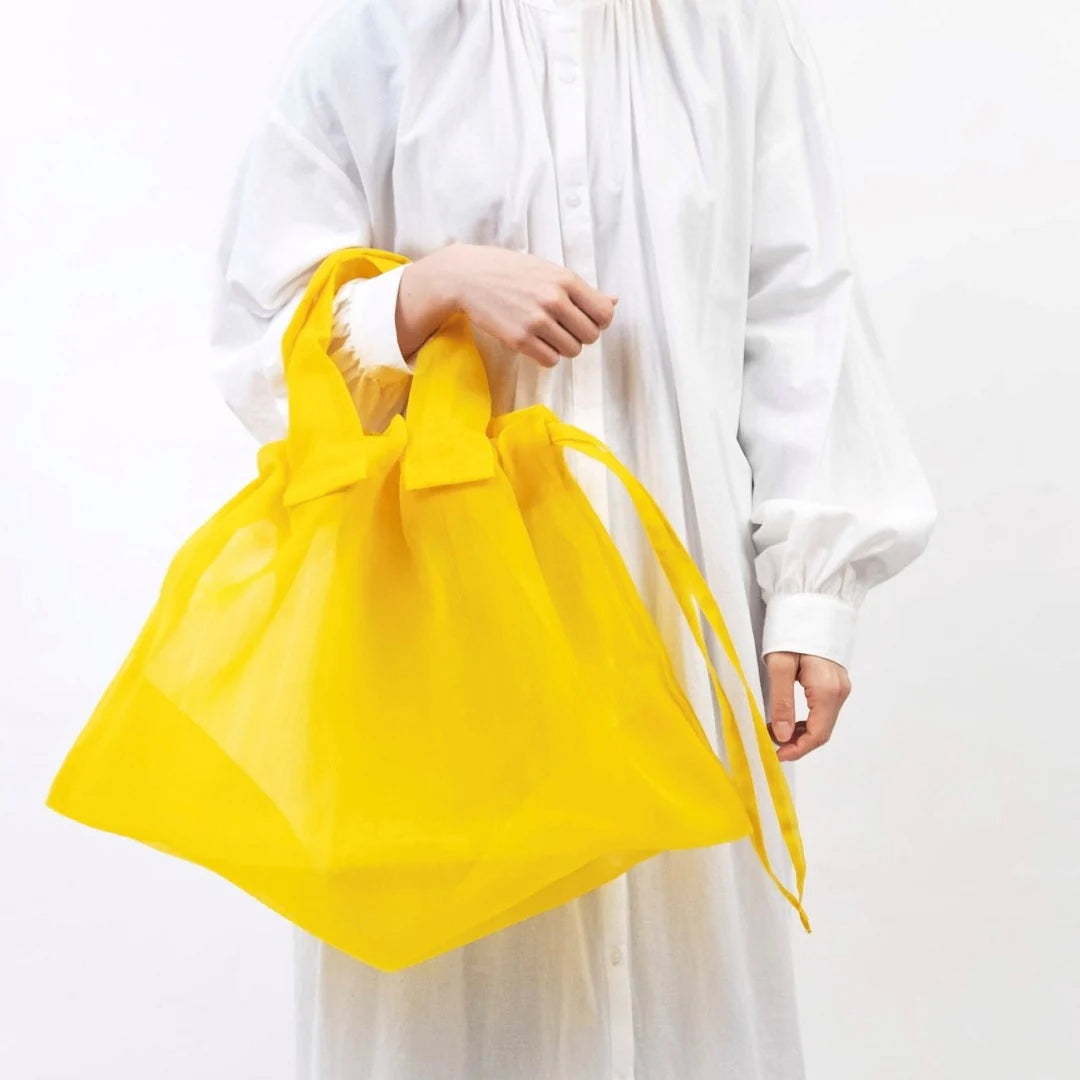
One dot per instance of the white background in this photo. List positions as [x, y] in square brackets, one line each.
[941, 820]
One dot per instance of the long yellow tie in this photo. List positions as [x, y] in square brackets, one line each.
[689, 585]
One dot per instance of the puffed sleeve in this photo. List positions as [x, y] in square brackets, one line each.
[298, 196]
[366, 347]
[840, 501]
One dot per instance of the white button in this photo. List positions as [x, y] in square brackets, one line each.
[573, 199]
[567, 75]
[616, 955]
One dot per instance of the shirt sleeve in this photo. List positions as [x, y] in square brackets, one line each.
[298, 196]
[840, 502]
[366, 348]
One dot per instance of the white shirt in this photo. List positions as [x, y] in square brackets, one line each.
[676, 153]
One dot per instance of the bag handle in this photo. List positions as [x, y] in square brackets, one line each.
[448, 411]
[689, 585]
[446, 416]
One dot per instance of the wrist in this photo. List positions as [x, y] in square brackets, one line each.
[435, 281]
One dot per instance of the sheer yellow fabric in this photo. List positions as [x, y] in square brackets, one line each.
[401, 688]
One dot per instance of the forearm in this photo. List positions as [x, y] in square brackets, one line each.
[532, 305]
[426, 297]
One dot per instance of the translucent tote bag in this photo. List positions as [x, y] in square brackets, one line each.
[401, 688]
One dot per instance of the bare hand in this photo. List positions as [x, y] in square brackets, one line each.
[532, 305]
[826, 686]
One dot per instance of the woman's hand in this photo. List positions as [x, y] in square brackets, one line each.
[532, 305]
[826, 686]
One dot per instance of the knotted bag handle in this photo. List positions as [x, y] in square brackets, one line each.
[446, 416]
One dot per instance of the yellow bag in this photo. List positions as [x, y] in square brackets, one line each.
[401, 688]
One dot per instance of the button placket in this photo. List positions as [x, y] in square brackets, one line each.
[575, 212]
[575, 217]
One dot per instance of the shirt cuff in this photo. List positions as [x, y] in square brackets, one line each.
[366, 311]
[815, 624]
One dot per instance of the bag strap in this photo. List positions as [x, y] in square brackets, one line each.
[447, 412]
[689, 585]
[325, 445]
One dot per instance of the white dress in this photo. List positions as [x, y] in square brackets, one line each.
[675, 153]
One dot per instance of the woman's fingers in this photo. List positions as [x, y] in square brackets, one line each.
[551, 331]
[571, 324]
[536, 348]
[533, 305]
[782, 667]
[598, 307]
[826, 686]
[562, 327]
[805, 739]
